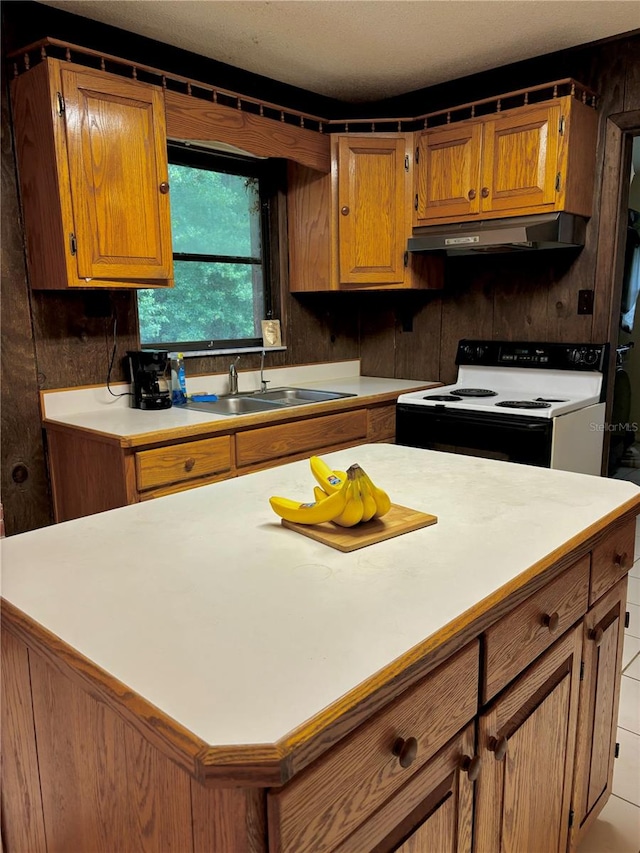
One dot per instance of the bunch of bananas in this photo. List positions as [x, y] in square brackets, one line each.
[344, 497]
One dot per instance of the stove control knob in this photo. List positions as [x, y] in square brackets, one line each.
[576, 356]
[591, 356]
[469, 351]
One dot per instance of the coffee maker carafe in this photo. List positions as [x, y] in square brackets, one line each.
[150, 373]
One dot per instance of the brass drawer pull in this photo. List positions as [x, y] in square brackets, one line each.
[164, 187]
[189, 464]
[471, 195]
[499, 747]
[406, 750]
[484, 192]
[344, 210]
[551, 621]
[471, 766]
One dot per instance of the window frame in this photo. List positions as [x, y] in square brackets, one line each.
[269, 175]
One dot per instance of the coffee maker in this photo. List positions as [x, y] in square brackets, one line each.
[150, 372]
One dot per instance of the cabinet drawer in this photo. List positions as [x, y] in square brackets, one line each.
[172, 464]
[438, 802]
[328, 801]
[260, 445]
[612, 559]
[518, 638]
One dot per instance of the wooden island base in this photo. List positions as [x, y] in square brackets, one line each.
[81, 773]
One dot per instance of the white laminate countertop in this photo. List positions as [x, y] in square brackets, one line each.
[240, 629]
[96, 410]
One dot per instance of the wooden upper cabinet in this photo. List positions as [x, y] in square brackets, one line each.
[349, 230]
[531, 159]
[448, 172]
[93, 174]
[373, 219]
[520, 158]
[117, 149]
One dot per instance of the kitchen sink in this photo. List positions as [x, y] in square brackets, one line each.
[266, 401]
[299, 396]
[234, 406]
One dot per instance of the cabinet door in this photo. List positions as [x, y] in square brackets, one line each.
[373, 209]
[116, 144]
[520, 160]
[448, 172]
[526, 743]
[599, 692]
[432, 813]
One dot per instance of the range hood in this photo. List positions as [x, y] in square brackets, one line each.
[516, 233]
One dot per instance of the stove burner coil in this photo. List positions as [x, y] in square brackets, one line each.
[475, 392]
[444, 398]
[524, 404]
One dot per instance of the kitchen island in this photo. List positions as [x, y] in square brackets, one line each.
[187, 674]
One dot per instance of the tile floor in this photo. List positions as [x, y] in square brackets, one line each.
[617, 829]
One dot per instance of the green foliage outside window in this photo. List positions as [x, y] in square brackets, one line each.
[219, 292]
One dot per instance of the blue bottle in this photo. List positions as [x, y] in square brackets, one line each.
[178, 381]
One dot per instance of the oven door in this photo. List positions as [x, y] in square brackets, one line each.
[512, 438]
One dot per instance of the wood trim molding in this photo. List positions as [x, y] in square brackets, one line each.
[620, 129]
[197, 120]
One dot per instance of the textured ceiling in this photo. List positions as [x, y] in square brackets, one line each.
[360, 50]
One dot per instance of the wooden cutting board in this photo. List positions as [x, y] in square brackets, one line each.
[399, 520]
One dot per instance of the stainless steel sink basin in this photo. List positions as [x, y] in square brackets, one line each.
[300, 396]
[235, 406]
[267, 401]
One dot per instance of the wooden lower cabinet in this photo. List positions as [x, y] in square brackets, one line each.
[353, 790]
[603, 636]
[526, 744]
[91, 472]
[433, 813]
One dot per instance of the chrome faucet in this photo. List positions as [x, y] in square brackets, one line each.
[233, 377]
[263, 382]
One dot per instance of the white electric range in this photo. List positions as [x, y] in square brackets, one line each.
[535, 403]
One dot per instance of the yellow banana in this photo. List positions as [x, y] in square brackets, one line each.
[368, 501]
[319, 494]
[352, 512]
[382, 499]
[327, 478]
[311, 513]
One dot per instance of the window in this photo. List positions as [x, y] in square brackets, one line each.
[220, 227]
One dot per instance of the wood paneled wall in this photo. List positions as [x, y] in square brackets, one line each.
[55, 340]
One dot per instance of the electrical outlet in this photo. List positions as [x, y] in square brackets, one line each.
[585, 302]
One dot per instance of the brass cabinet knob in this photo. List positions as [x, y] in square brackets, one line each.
[471, 766]
[596, 634]
[484, 192]
[189, 463]
[344, 210]
[406, 750]
[499, 747]
[551, 621]
[164, 188]
[471, 195]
